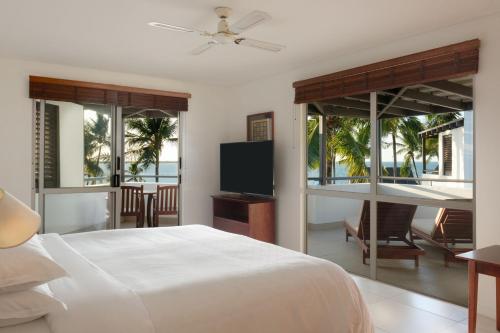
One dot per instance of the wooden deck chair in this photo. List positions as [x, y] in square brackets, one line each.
[393, 226]
[451, 227]
[165, 202]
[133, 203]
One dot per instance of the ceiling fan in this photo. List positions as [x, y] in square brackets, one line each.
[227, 34]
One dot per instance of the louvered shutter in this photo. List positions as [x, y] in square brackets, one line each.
[447, 155]
[51, 136]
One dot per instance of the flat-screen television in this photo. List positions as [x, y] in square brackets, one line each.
[247, 167]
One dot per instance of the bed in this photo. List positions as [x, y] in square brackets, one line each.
[194, 279]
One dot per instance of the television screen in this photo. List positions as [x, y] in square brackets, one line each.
[247, 167]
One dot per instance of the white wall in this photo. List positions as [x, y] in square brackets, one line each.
[71, 147]
[276, 93]
[203, 128]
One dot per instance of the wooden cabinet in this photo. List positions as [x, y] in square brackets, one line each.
[245, 215]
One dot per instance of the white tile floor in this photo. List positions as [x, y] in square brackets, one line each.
[396, 310]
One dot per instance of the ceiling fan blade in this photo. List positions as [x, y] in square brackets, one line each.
[177, 28]
[171, 27]
[202, 48]
[259, 44]
[249, 21]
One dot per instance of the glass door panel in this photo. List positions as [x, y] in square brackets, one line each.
[74, 155]
[426, 141]
[422, 259]
[77, 144]
[151, 158]
[337, 231]
[338, 144]
[78, 212]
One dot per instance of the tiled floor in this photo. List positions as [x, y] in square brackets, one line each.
[396, 310]
[430, 278]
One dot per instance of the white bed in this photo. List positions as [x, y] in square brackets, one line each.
[195, 279]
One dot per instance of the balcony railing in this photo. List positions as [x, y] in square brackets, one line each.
[106, 179]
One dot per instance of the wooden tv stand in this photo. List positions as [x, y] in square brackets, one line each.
[245, 215]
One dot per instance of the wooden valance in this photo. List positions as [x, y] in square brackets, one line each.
[442, 63]
[98, 93]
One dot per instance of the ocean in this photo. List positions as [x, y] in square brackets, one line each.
[166, 169]
[341, 170]
[170, 169]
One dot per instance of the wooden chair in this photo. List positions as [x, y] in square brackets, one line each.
[393, 224]
[451, 227]
[165, 202]
[133, 203]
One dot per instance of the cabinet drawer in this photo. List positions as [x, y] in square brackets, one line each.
[233, 226]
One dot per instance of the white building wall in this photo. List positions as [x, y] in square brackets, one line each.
[457, 158]
[468, 147]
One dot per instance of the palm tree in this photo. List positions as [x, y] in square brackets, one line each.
[411, 145]
[334, 124]
[146, 137]
[135, 170]
[96, 137]
[347, 138]
[313, 150]
[352, 145]
[390, 127]
[433, 120]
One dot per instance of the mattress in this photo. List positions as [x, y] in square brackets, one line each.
[197, 279]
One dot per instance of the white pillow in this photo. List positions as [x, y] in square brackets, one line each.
[24, 306]
[26, 266]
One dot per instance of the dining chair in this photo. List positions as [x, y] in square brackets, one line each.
[165, 202]
[133, 203]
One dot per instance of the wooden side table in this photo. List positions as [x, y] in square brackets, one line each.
[483, 261]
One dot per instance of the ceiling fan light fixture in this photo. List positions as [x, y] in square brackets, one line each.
[169, 27]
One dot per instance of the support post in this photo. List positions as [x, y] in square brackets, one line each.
[375, 146]
[424, 162]
[322, 150]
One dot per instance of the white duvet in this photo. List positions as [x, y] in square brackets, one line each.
[198, 279]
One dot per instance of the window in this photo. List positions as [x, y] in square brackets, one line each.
[447, 155]
[417, 142]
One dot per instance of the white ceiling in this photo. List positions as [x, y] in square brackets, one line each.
[114, 35]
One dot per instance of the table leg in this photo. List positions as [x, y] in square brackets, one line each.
[498, 303]
[148, 210]
[473, 276]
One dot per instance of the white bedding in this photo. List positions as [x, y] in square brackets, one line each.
[198, 279]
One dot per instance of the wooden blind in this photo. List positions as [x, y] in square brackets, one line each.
[437, 64]
[98, 93]
[51, 152]
[447, 155]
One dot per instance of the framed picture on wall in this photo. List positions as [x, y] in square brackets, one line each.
[260, 126]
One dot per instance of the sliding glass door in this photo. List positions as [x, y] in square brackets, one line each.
[150, 144]
[75, 154]
[390, 184]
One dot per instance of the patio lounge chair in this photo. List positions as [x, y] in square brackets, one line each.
[393, 226]
[451, 227]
